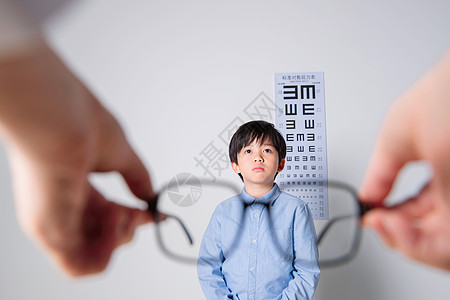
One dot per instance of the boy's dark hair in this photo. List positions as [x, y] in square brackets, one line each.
[256, 131]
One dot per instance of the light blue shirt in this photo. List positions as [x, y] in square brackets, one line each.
[259, 249]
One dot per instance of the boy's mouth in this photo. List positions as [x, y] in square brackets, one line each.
[258, 169]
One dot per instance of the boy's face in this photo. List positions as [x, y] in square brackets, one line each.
[258, 163]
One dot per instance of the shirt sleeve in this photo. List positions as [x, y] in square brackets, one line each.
[209, 265]
[306, 264]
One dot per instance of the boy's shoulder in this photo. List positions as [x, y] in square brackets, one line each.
[229, 203]
[292, 201]
[232, 201]
[230, 208]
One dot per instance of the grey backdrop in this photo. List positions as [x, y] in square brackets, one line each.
[176, 73]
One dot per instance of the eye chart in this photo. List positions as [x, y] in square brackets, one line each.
[300, 117]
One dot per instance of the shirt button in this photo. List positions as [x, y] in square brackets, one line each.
[252, 269]
[254, 241]
[251, 296]
[256, 215]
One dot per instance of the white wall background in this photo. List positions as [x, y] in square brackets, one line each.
[176, 73]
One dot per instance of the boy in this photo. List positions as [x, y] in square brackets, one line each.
[260, 244]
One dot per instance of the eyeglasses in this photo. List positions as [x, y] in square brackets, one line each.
[338, 237]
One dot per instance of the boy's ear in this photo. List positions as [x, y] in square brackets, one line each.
[235, 167]
[281, 165]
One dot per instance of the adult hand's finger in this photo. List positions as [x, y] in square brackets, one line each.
[136, 175]
[415, 227]
[393, 149]
[116, 154]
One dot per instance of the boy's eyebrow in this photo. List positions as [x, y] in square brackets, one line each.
[265, 144]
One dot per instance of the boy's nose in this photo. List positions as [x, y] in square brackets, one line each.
[258, 158]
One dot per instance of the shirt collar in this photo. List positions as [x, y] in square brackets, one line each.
[268, 198]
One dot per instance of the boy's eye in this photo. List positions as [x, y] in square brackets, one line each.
[267, 151]
[247, 151]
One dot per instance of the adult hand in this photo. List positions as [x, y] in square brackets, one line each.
[56, 134]
[417, 127]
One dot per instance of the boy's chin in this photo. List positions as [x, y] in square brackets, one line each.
[261, 184]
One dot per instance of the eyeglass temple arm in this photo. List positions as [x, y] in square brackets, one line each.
[152, 209]
[365, 207]
[186, 231]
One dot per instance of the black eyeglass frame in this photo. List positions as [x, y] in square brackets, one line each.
[361, 209]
